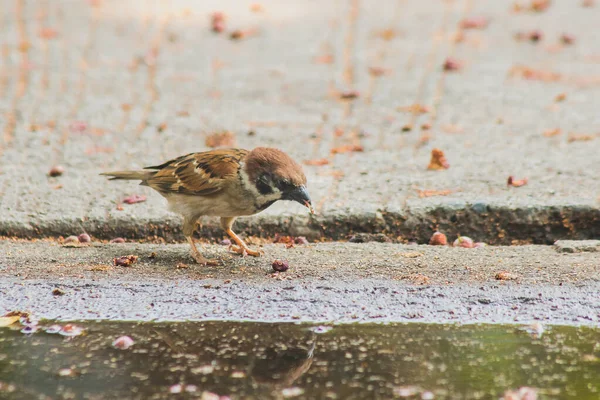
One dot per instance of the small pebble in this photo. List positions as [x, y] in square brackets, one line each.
[56, 171]
[438, 239]
[463, 241]
[84, 238]
[280, 265]
[225, 242]
[118, 240]
[125, 261]
[71, 239]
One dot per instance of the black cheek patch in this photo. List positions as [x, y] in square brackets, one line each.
[263, 187]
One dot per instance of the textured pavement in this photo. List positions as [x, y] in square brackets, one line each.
[339, 282]
[102, 85]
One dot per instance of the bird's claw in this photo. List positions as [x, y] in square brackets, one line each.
[244, 251]
[200, 259]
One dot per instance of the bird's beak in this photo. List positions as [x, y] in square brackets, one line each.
[300, 194]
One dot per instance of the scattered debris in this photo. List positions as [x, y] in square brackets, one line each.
[48, 33]
[438, 239]
[552, 132]
[220, 139]
[134, 198]
[161, 127]
[181, 266]
[239, 34]
[387, 34]
[71, 239]
[217, 22]
[511, 181]
[347, 148]
[574, 137]
[84, 238]
[117, 240]
[506, 276]
[378, 71]
[225, 242]
[280, 265]
[56, 171]
[567, 39]
[123, 342]
[438, 160]
[78, 126]
[324, 59]
[125, 261]
[534, 6]
[349, 95]
[317, 162]
[534, 74]
[463, 241]
[560, 97]
[474, 23]
[57, 292]
[533, 36]
[416, 109]
[452, 64]
[432, 193]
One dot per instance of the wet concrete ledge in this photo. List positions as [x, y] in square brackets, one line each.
[492, 223]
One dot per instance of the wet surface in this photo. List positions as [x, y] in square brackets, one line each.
[259, 361]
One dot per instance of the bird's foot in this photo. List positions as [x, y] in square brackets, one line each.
[245, 251]
[200, 259]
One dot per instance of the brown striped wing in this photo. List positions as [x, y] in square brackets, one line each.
[200, 174]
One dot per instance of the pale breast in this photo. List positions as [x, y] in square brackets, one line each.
[221, 205]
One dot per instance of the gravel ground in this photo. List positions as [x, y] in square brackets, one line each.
[339, 282]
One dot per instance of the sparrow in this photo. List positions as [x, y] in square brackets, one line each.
[225, 183]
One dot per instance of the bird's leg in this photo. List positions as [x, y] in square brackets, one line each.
[241, 248]
[188, 231]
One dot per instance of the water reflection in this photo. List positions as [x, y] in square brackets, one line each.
[261, 361]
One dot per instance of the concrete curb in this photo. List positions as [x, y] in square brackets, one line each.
[494, 224]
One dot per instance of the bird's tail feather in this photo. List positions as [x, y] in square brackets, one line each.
[129, 175]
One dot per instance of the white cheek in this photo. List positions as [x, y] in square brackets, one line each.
[260, 198]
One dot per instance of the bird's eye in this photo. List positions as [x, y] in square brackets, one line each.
[263, 184]
[284, 185]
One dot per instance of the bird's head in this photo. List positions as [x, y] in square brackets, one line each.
[275, 176]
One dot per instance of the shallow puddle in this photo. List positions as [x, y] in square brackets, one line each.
[261, 361]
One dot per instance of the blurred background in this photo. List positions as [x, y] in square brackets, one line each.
[359, 92]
